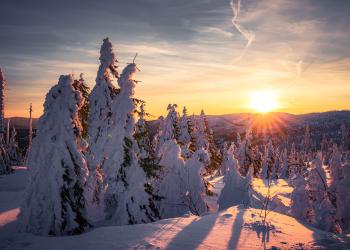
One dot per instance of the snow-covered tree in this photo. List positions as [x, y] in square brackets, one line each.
[228, 160]
[284, 168]
[12, 149]
[147, 155]
[203, 137]
[268, 162]
[2, 106]
[195, 186]
[169, 127]
[237, 189]
[84, 111]
[30, 133]
[129, 199]
[245, 153]
[171, 187]
[54, 203]
[300, 199]
[186, 139]
[342, 188]
[323, 208]
[100, 123]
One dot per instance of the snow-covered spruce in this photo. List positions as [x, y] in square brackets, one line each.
[237, 189]
[2, 106]
[300, 199]
[100, 123]
[147, 155]
[169, 127]
[54, 203]
[342, 188]
[186, 139]
[204, 139]
[171, 186]
[84, 111]
[324, 210]
[12, 149]
[129, 199]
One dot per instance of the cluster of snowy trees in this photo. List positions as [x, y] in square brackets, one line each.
[92, 160]
[9, 153]
[321, 192]
[320, 177]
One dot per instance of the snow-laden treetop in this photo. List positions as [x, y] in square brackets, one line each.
[107, 59]
[2, 77]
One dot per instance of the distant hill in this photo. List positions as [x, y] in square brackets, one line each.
[21, 122]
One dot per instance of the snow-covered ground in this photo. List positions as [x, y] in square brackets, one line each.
[234, 228]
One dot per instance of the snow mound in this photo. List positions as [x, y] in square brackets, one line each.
[234, 228]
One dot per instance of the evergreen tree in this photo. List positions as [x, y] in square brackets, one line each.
[300, 199]
[54, 203]
[169, 127]
[204, 139]
[13, 150]
[186, 139]
[171, 186]
[100, 123]
[84, 111]
[129, 199]
[147, 156]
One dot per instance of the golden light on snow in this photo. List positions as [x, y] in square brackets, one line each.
[263, 101]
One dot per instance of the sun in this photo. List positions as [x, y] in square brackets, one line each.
[263, 101]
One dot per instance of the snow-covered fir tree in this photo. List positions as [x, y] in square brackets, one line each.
[237, 189]
[30, 133]
[147, 155]
[12, 149]
[169, 127]
[54, 202]
[5, 166]
[2, 106]
[195, 185]
[84, 111]
[284, 167]
[186, 139]
[268, 166]
[100, 123]
[323, 208]
[300, 199]
[203, 137]
[171, 186]
[129, 199]
[245, 154]
[342, 187]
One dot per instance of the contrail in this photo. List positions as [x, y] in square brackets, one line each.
[248, 35]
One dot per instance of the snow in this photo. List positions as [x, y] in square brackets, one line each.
[234, 228]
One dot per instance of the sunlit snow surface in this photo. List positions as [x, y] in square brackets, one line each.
[234, 228]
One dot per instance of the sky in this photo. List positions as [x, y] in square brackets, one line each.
[189, 52]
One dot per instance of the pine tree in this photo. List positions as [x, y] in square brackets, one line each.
[268, 170]
[129, 199]
[100, 123]
[323, 208]
[2, 106]
[300, 199]
[204, 139]
[186, 140]
[195, 185]
[171, 186]
[13, 150]
[147, 156]
[342, 187]
[237, 189]
[84, 111]
[54, 203]
[5, 166]
[169, 128]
